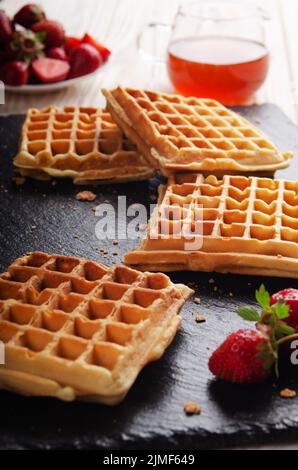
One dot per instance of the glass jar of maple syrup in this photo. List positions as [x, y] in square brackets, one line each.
[217, 50]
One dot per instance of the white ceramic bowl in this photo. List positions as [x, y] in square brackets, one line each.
[48, 87]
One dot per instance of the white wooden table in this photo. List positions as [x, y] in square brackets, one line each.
[117, 24]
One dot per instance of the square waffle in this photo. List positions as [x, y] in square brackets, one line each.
[75, 328]
[177, 134]
[246, 225]
[84, 144]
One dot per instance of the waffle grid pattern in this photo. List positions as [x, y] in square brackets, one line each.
[198, 123]
[236, 215]
[252, 208]
[80, 142]
[184, 132]
[74, 312]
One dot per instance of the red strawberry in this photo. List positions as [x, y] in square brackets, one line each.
[6, 28]
[235, 359]
[8, 53]
[29, 14]
[290, 297]
[50, 70]
[104, 51]
[70, 43]
[14, 73]
[84, 59]
[54, 31]
[57, 53]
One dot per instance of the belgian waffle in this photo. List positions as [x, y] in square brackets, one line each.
[177, 134]
[75, 328]
[84, 144]
[246, 225]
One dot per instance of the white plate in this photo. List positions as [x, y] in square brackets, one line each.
[48, 87]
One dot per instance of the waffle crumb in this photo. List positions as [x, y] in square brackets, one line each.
[197, 300]
[94, 208]
[33, 227]
[200, 319]
[287, 393]
[19, 180]
[192, 408]
[85, 196]
[115, 242]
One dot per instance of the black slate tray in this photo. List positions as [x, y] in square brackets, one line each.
[152, 415]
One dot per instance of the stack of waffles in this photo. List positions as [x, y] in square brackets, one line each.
[207, 218]
[145, 131]
[75, 328]
[84, 144]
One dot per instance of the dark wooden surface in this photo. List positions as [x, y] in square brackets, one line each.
[152, 414]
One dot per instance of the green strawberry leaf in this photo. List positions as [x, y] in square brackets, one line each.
[271, 322]
[265, 355]
[283, 329]
[268, 363]
[248, 313]
[262, 348]
[41, 35]
[281, 309]
[262, 355]
[263, 297]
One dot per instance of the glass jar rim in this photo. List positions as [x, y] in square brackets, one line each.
[244, 11]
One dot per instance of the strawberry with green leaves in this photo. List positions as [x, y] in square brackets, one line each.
[27, 45]
[248, 356]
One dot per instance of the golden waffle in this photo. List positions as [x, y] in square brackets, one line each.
[246, 225]
[177, 134]
[75, 328]
[79, 143]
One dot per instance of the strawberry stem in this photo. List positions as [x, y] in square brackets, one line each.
[287, 338]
